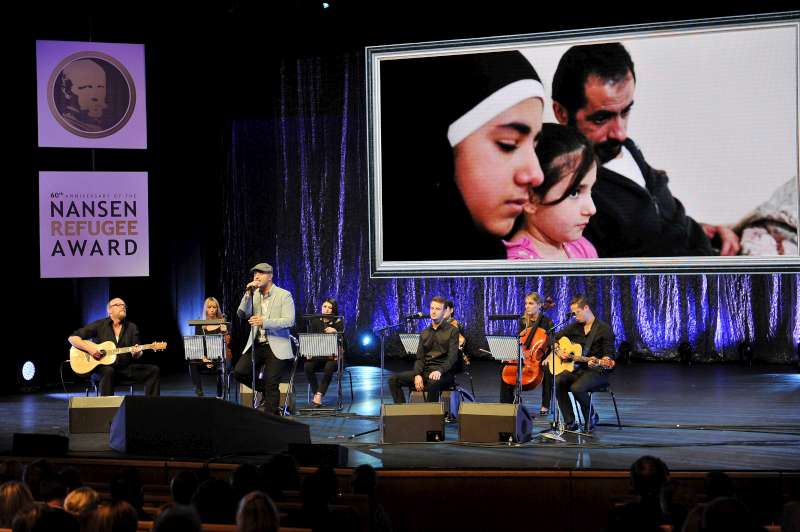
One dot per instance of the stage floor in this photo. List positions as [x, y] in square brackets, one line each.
[696, 418]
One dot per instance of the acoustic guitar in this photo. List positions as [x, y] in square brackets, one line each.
[82, 362]
[573, 353]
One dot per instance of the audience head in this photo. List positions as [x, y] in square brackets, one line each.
[364, 480]
[727, 514]
[70, 477]
[35, 473]
[215, 502]
[183, 486]
[245, 479]
[81, 500]
[319, 489]
[257, 513]
[648, 475]
[126, 486]
[118, 516]
[279, 474]
[52, 491]
[14, 496]
[178, 518]
[718, 484]
[10, 470]
[38, 517]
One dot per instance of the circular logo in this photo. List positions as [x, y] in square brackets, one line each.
[91, 94]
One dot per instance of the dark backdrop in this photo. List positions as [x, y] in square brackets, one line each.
[257, 151]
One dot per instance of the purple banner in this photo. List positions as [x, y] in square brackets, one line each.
[93, 224]
[91, 95]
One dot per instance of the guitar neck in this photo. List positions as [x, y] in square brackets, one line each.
[121, 350]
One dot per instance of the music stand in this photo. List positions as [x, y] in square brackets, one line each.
[209, 346]
[316, 345]
[334, 319]
[503, 348]
[410, 342]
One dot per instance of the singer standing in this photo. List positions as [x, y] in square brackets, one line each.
[597, 339]
[436, 355]
[328, 364]
[269, 310]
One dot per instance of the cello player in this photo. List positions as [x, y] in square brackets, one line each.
[534, 318]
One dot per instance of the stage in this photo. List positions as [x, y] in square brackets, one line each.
[696, 418]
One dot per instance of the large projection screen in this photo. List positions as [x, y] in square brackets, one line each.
[715, 119]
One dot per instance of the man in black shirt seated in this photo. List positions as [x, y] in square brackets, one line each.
[123, 333]
[597, 341]
[436, 355]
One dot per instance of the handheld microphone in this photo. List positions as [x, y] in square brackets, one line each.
[569, 315]
[416, 316]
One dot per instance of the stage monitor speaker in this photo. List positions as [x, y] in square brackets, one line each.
[92, 414]
[24, 444]
[318, 454]
[494, 422]
[413, 422]
[246, 396]
[200, 427]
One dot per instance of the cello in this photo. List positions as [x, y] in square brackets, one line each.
[533, 340]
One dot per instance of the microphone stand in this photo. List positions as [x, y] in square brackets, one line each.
[285, 410]
[252, 342]
[382, 333]
[556, 430]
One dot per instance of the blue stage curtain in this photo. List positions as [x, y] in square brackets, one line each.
[295, 195]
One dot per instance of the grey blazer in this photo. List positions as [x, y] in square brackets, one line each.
[277, 323]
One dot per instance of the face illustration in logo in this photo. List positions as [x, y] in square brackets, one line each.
[84, 89]
[92, 94]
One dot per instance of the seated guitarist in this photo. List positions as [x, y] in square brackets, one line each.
[597, 341]
[116, 328]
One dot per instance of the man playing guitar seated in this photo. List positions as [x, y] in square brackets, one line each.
[436, 355]
[123, 333]
[597, 341]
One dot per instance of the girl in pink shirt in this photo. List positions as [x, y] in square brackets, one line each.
[552, 222]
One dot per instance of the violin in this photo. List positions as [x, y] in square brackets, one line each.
[534, 344]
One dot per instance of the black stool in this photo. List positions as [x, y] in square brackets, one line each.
[605, 388]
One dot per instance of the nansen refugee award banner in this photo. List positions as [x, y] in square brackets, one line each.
[93, 224]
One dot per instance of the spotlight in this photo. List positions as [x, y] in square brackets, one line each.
[28, 376]
[28, 371]
[685, 353]
[746, 353]
[367, 342]
[625, 351]
[325, 5]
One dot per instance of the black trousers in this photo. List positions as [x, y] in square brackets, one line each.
[104, 377]
[273, 367]
[579, 382]
[507, 390]
[432, 388]
[197, 378]
[311, 366]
